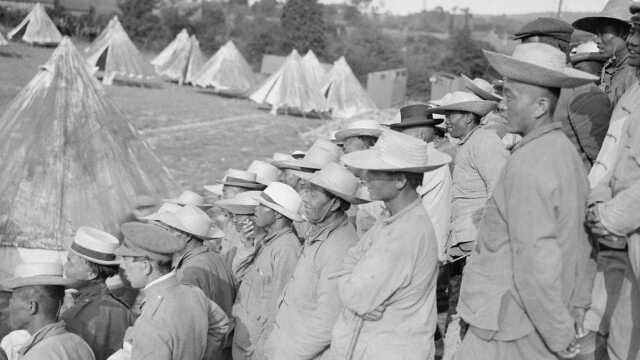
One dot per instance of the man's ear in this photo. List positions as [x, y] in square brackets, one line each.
[542, 107]
[400, 181]
[148, 268]
[32, 307]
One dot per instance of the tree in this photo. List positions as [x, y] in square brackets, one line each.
[465, 55]
[304, 26]
[211, 29]
[142, 25]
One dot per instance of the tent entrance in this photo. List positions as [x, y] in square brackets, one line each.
[101, 64]
[18, 35]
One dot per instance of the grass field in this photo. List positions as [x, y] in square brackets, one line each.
[198, 135]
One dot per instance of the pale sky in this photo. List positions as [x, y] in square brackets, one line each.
[488, 6]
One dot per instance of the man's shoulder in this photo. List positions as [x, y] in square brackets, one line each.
[63, 346]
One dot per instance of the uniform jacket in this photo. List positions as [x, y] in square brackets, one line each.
[54, 342]
[617, 79]
[532, 264]
[310, 304]
[99, 318]
[394, 267]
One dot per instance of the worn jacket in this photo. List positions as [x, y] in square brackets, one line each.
[393, 269]
[531, 265]
[178, 322]
[310, 304]
[256, 304]
[617, 78]
[54, 342]
[99, 318]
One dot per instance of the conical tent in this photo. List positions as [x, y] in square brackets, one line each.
[70, 158]
[37, 28]
[345, 96]
[313, 69]
[289, 88]
[183, 62]
[167, 53]
[3, 41]
[116, 57]
[227, 72]
[196, 61]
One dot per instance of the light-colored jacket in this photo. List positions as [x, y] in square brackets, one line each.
[54, 342]
[310, 304]
[531, 265]
[393, 268]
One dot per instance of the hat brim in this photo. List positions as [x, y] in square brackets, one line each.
[597, 57]
[97, 261]
[37, 280]
[297, 164]
[275, 207]
[371, 160]
[480, 108]
[236, 209]
[528, 73]
[177, 202]
[171, 220]
[244, 185]
[342, 135]
[407, 124]
[352, 199]
[592, 24]
[214, 189]
[471, 86]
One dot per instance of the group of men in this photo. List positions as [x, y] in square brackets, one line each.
[517, 203]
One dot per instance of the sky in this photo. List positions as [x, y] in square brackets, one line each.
[488, 6]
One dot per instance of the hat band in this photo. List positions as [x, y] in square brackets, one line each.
[92, 253]
[238, 180]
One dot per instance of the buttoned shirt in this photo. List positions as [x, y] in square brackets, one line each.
[531, 263]
[481, 157]
[310, 304]
[617, 78]
[99, 318]
[54, 342]
[392, 269]
[256, 305]
[178, 322]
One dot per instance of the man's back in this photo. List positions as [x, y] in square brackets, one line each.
[54, 342]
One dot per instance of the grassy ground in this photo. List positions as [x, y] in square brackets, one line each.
[198, 135]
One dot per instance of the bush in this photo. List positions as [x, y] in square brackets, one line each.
[465, 55]
[304, 26]
[142, 25]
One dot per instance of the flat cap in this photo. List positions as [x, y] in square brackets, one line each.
[544, 26]
[149, 240]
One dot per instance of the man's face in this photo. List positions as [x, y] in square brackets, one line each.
[289, 178]
[608, 42]
[633, 46]
[265, 216]
[424, 133]
[77, 268]
[229, 192]
[381, 184]
[19, 309]
[316, 204]
[135, 271]
[241, 221]
[457, 124]
[519, 106]
[354, 143]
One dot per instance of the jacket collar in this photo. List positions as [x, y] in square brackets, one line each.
[401, 213]
[537, 133]
[54, 329]
[161, 285]
[190, 254]
[276, 235]
[91, 291]
[468, 136]
[321, 232]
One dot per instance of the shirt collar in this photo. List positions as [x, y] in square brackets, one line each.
[466, 137]
[44, 332]
[91, 291]
[322, 231]
[537, 133]
[190, 254]
[161, 283]
[410, 207]
[276, 235]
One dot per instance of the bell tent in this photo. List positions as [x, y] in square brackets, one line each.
[181, 60]
[37, 28]
[3, 41]
[227, 72]
[345, 96]
[313, 69]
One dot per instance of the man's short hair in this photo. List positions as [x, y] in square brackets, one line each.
[413, 179]
[48, 297]
[103, 272]
[344, 204]
[553, 99]
[369, 141]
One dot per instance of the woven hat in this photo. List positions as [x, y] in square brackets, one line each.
[265, 172]
[538, 64]
[33, 274]
[242, 204]
[465, 102]
[397, 152]
[191, 220]
[339, 181]
[359, 128]
[544, 26]
[189, 197]
[615, 13]
[319, 154]
[148, 240]
[481, 87]
[281, 198]
[95, 245]
[166, 207]
[214, 189]
[242, 179]
[415, 116]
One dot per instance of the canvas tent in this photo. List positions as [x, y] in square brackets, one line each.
[313, 69]
[182, 62]
[3, 41]
[345, 96]
[167, 53]
[116, 58]
[37, 28]
[70, 158]
[227, 72]
[289, 89]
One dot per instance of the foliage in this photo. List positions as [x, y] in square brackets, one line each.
[265, 38]
[11, 17]
[465, 55]
[266, 8]
[304, 26]
[142, 25]
[211, 28]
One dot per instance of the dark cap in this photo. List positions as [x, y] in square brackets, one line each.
[544, 26]
[149, 240]
[415, 116]
[634, 9]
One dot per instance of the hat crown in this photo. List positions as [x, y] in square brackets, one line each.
[241, 175]
[285, 196]
[278, 156]
[403, 150]
[617, 9]
[363, 124]
[189, 197]
[588, 47]
[335, 177]
[413, 111]
[25, 270]
[542, 55]
[265, 172]
[193, 220]
[96, 240]
[483, 84]
[459, 97]
[549, 26]
[323, 152]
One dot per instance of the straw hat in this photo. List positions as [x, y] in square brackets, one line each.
[359, 128]
[538, 64]
[191, 220]
[298, 154]
[615, 14]
[32, 274]
[95, 245]
[281, 198]
[397, 152]
[481, 87]
[148, 240]
[465, 102]
[320, 153]
[166, 207]
[214, 189]
[414, 116]
[265, 172]
[339, 181]
[242, 204]
[189, 197]
[241, 178]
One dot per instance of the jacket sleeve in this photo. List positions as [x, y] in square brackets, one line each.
[284, 263]
[145, 347]
[621, 215]
[197, 277]
[489, 158]
[219, 327]
[537, 257]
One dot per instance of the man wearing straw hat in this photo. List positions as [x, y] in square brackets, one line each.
[485, 90]
[310, 304]
[268, 270]
[37, 294]
[96, 316]
[527, 284]
[177, 322]
[387, 282]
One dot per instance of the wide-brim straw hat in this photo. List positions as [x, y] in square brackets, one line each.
[242, 179]
[319, 154]
[189, 197]
[265, 172]
[282, 198]
[415, 115]
[36, 274]
[538, 64]
[359, 128]
[191, 220]
[615, 14]
[464, 102]
[214, 189]
[481, 87]
[397, 152]
[340, 182]
[242, 204]
[95, 245]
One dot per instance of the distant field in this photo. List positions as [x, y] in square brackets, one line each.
[198, 135]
